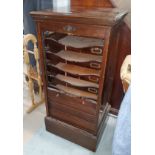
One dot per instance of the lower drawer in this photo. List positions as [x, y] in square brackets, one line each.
[82, 105]
[71, 110]
[73, 120]
[74, 112]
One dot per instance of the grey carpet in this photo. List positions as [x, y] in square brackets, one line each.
[45, 143]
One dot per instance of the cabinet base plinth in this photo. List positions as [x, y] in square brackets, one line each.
[75, 134]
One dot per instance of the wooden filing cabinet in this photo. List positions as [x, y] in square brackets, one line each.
[78, 54]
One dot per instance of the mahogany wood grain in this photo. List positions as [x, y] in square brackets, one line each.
[71, 133]
[84, 90]
[91, 3]
[72, 111]
[78, 57]
[74, 134]
[124, 49]
[73, 102]
[111, 64]
[86, 22]
[77, 82]
[90, 18]
[74, 120]
[58, 26]
[77, 70]
[76, 92]
[51, 70]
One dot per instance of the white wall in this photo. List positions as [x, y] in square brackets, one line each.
[125, 4]
[61, 3]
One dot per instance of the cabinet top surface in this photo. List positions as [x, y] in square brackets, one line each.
[97, 16]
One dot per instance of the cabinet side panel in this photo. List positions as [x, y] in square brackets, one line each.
[42, 63]
[111, 64]
[103, 72]
[124, 49]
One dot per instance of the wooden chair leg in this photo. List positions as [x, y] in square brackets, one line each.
[34, 106]
[30, 83]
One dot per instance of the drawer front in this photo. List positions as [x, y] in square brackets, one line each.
[75, 29]
[52, 81]
[73, 120]
[53, 71]
[72, 111]
[92, 64]
[55, 47]
[54, 59]
[73, 102]
[95, 50]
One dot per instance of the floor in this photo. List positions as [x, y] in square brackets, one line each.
[35, 120]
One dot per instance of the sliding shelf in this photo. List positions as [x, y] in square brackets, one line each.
[76, 82]
[54, 35]
[52, 71]
[76, 92]
[77, 70]
[78, 57]
[80, 42]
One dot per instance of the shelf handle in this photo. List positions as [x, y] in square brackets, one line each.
[95, 65]
[96, 50]
[92, 90]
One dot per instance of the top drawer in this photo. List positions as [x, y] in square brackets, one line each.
[75, 29]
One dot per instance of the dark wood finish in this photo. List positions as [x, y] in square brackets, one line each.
[82, 15]
[85, 111]
[91, 3]
[72, 102]
[124, 49]
[75, 134]
[111, 64]
[51, 70]
[74, 120]
[71, 133]
[77, 82]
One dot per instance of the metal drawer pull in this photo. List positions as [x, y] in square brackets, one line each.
[95, 65]
[93, 79]
[69, 28]
[92, 90]
[96, 50]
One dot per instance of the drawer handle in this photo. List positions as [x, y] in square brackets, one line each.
[83, 102]
[96, 50]
[69, 28]
[92, 90]
[93, 79]
[95, 65]
[57, 95]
